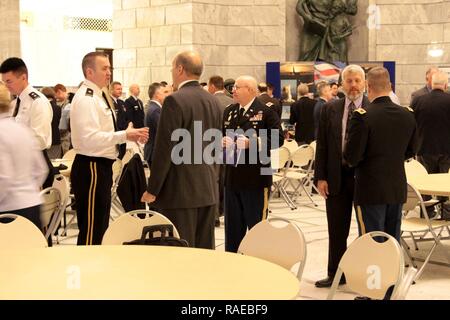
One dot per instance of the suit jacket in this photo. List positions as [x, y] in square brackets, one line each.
[151, 121]
[132, 185]
[432, 113]
[379, 141]
[316, 114]
[135, 111]
[185, 185]
[121, 114]
[302, 115]
[418, 93]
[328, 162]
[247, 175]
[271, 103]
[224, 100]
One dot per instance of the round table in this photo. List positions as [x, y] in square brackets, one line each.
[436, 184]
[141, 272]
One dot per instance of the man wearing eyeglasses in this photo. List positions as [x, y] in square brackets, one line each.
[251, 129]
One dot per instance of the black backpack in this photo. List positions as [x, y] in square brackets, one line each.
[166, 239]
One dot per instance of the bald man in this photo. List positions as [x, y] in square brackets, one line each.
[186, 190]
[380, 139]
[252, 129]
[134, 107]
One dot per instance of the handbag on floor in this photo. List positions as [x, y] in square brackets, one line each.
[166, 238]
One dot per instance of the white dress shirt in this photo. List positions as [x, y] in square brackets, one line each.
[91, 122]
[36, 112]
[22, 166]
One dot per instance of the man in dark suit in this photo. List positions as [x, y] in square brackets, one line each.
[119, 105]
[157, 94]
[302, 115]
[427, 88]
[251, 130]
[135, 107]
[182, 184]
[380, 139]
[216, 88]
[432, 113]
[268, 100]
[324, 91]
[334, 177]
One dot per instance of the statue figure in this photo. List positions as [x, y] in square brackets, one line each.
[326, 27]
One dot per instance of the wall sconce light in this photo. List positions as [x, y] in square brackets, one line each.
[435, 50]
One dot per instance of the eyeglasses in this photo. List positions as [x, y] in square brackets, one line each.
[238, 87]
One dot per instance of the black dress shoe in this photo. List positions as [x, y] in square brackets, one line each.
[328, 281]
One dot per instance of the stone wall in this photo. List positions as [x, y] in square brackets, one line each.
[10, 29]
[406, 31]
[234, 37]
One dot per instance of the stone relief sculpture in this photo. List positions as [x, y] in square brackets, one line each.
[326, 28]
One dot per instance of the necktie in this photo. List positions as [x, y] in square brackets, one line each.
[241, 114]
[112, 111]
[351, 108]
[16, 109]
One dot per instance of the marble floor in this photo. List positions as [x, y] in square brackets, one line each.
[434, 283]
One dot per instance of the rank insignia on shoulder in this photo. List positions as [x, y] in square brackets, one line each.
[89, 92]
[269, 104]
[409, 109]
[33, 95]
[360, 111]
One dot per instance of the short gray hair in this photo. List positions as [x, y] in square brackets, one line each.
[302, 89]
[439, 79]
[353, 68]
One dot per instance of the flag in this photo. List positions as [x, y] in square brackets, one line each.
[324, 71]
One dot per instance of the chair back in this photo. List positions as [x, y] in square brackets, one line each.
[128, 226]
[69, 155]
[127, 157]
[291, 145]
[50, 209]
[313, 145]
[302, 156]
[60, 182]
[20, 233]
[279, 157]
[276, 240]
[414, 168]
[371, 267]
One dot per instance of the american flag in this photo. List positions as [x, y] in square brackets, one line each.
[324, 71]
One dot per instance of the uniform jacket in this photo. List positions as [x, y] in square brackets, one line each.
[379, 141]
[247, 175]
[151, 121]
[135, 111]
[328, 162]
[271, 103]
[418, 93]
[302, 115]
[184, 185]
[432, 113]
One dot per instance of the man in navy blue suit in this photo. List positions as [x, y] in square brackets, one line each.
[157, 94]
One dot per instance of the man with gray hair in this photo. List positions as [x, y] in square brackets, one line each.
[432, 113]
[427, 88]
[302, 115]
[335, 179]
[248, 128]
[380, 139]
[186, 190]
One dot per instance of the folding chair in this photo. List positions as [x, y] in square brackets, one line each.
[129, 226]
[51, 210]
[279, 241]
[20, 233]
[279, 159]
[371, 267]
[116, 205]
[291, 145]
[423, 225]
[301, 160]
[60, 182]
[69, 155]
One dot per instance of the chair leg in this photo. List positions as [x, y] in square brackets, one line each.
[408, 253]
[414, 241]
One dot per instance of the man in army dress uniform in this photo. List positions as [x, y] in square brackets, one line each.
[247, 181]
